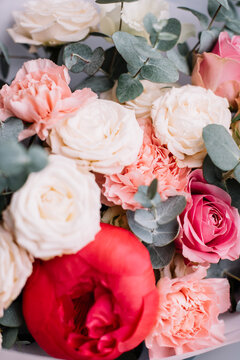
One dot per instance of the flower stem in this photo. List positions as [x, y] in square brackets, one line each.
[231, 276]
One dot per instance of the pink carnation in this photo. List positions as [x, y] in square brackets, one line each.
[188, 315]
[40, 95]
[154, 161]
[210, 226]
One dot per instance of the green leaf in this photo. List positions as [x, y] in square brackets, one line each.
[148, 21]
[221, 147]
[76, 56]
[98, 84]
[203, 19]
[234, 26]
[212, 174]
[163, 71]
[236, 118]
[12, 316]
[207, 39]
[128, 88]
[161, 256]
[142, 197]
[179, 61]
[96, 61]
[233, 188]
[114, 68]
[173, 28]
[13, 158]
[224, 3]
[10, 129]
[152, 189]
[224, 14]
[168, 210]
[9, 337]
[38, 158]
[166, 233]
[146, 219]
[4, 60]
[237, 173]
[140, 231]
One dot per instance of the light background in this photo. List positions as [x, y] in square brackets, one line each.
[6, 7]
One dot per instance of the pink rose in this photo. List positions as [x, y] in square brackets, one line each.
[154, 161]
[220, 69]
[188, 315]
[40, 95]
[209, 224]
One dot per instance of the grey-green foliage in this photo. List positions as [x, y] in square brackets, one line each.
[208, 38]
[98, 84]
[10, 323]
[113, 1]
[16, 163]
[203, 19]
[10, 129]
[156, 225]
[79, 57]
[4, 60]
[228, 14]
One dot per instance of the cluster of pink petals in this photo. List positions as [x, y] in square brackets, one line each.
[40, 95]
[154, 161]
[188, 314]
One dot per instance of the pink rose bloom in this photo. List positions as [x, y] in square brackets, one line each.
[188, 313]
[220, 69]
[154, 161]
[209, 224]
[40, 95]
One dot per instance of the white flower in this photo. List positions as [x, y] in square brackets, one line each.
[102, 136]
[15, 268]
[57, 211]
[142, 105]
[53, 22]
[132, 16]
[180, 116]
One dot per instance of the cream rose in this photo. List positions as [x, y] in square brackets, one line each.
[57, 211]
[132, 16]
[180, 116]
[142, 105]
[102, 136]
[15, 268]
[53, 22]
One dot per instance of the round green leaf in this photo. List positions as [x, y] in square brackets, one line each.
[13, 158]
[166, 233]
[98, 84]
[9, 337]
[140, 231]
[169, 35]
[128, 88]
[76, 56]
[12, 316]
[10, 129]
[161, 256]
[38, 158]
[168, 210]
[162, 71]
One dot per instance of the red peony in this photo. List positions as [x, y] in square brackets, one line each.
[95, 304]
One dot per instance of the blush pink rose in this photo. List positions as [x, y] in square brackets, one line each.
[154, 161]
[210, 226]
[188, 313]
[40, 95]
[220, 69]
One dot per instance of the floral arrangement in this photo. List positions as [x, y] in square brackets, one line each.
[119, 196]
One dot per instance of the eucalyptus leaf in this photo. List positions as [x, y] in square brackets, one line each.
[76, 56]
[163, 71]
[173, 28]
[152, 189]
[4, 60]
[13, 157]
[148, 22]
[203, 19]
[166, 233]
[15, 182]
[9, 337]
[207, 39]
[146, 219]
[142, 196]
[212, 174]
[96, 61]
[237, 173]
[169, 209]
[221, 147]
[10, 129]
[12, 316]
[224, 3]
[161, 256]
[114, 64]
[128, 88]
[140, 231]
[179, 61]
[98, 84]
[38, 158]
[224, 14]
[234, 26]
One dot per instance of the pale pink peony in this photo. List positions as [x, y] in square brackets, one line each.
[40, 95]
[210, 226]
[154, 161]
[188, 315]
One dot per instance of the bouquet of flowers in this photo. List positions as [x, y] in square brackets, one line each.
[120, 192]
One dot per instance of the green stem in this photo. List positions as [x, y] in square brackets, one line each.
[231, 275]
[80, 57]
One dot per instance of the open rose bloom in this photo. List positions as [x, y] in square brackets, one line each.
[119, 186]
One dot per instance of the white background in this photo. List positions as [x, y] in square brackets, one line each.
[6, 8]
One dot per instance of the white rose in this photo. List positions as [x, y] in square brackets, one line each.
[102, 136]
[53, 22]
[15, 268]
[142, 105]
[57, 211]
[132, 16]
[180, 116]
